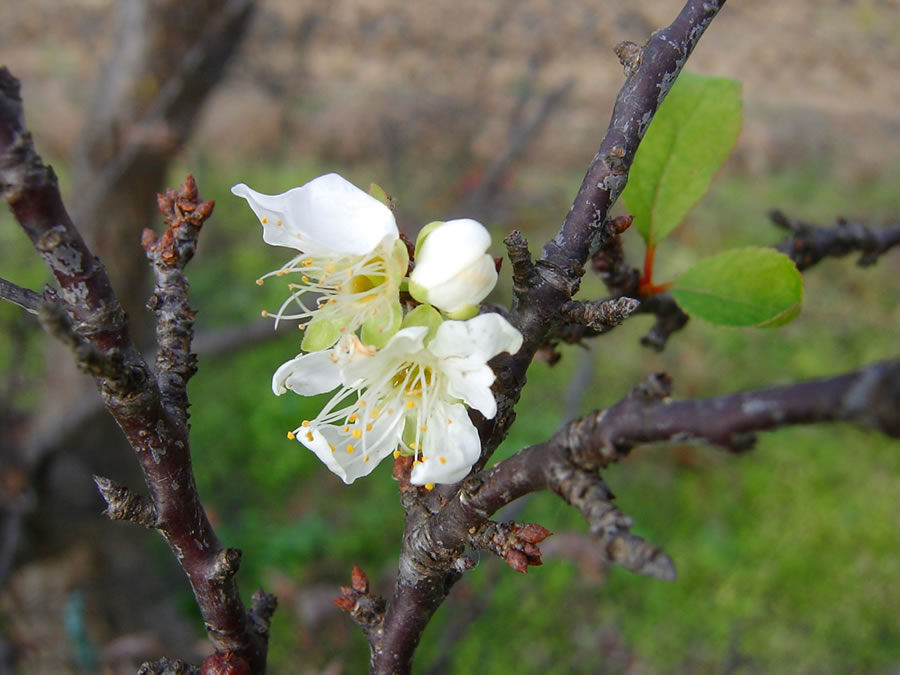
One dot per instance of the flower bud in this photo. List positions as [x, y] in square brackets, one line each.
[453, 270]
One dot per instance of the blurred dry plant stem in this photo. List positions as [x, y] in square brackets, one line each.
[150, 404]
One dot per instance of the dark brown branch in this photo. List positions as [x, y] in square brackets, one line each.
[91, 320]
[366, 608]
[431, 556]
[570, 461]
[599, 315]
[23, 297]
[184, 214]
[809, 244]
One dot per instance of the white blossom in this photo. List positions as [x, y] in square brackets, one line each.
[351, 259]
[453, 271]
[408, 397]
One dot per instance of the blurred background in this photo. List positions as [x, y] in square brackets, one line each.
[788, 556]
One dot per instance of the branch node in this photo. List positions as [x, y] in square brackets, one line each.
[516, 544]
[122, 504]
[520, 257]
[226, 564]
[629, 56]
[366, 609]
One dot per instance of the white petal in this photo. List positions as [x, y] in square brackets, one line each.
[481, 338]
[464, 348]
[468, 286]
[328, 213]
[450, 447]
[307, 374]
[350, 465]
[404, 342]
[449, 249]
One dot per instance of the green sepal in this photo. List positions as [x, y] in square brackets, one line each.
[380, 328]
[425, 231]
[375, 190]
[398, 263]
[418, 291]
[320, 334]
[424, 315]
[463, 313]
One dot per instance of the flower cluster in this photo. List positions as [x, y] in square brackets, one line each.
[402, 382]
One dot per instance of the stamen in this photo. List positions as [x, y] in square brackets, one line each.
[291, 436]
[443, 460]
[350, 449]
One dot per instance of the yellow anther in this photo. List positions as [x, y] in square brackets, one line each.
[356, 433]
[331, 301]
[362, 404]
[390, 411]
[423, 428]
[264, 313]
[352, 418]
[350, 449]
[369, 427]
[291, 436]
[396, 454]
[302, 326]
[309, 436]
[331, 447]
[260, 282]
[429, 486]
[305, 423]
[366, 458]
[278, 224]
[306, 263]
[416, 462]
[443, 460]
[410, 404]
[305, 280]
[265, 220]
[414, 446]
[346, 429]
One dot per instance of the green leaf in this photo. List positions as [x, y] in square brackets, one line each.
[742, 287]
[690, 137]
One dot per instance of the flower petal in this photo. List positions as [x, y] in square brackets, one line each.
[307, 374]
[468, 286]
[464, 348]
[344, 455]
[448, 249]
[328, 214]
[450, 447]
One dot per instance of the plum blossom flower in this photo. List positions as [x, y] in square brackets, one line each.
[453, 269]
[351, 259]
[408, 397]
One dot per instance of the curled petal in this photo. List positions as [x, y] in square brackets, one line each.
[348, 457]
[308, 374]
[328, 214]
[450, 447]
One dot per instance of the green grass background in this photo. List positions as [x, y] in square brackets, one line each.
[787, 556]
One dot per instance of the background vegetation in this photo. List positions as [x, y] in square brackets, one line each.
[787, 556]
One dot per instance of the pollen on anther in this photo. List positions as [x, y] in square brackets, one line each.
[424, 427]
[350, 449]
[366, 458]
[416, 462]
[429, 486]
[305, 423]
[346, 429]
[356, 433]
[352, 419]
[309, 436]
[390, 411]
[302, 326]
[265, 220]
[369, 427]
[264, 313]
[260, 282]
[410, 404]
[291, 436]
[331, 447]
[279, 223]
[396, 454]
[443, 460]
[305, 280]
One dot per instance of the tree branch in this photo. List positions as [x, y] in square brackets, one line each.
[430, 563]
[23, 297]
[90, 319]
[809, 244]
